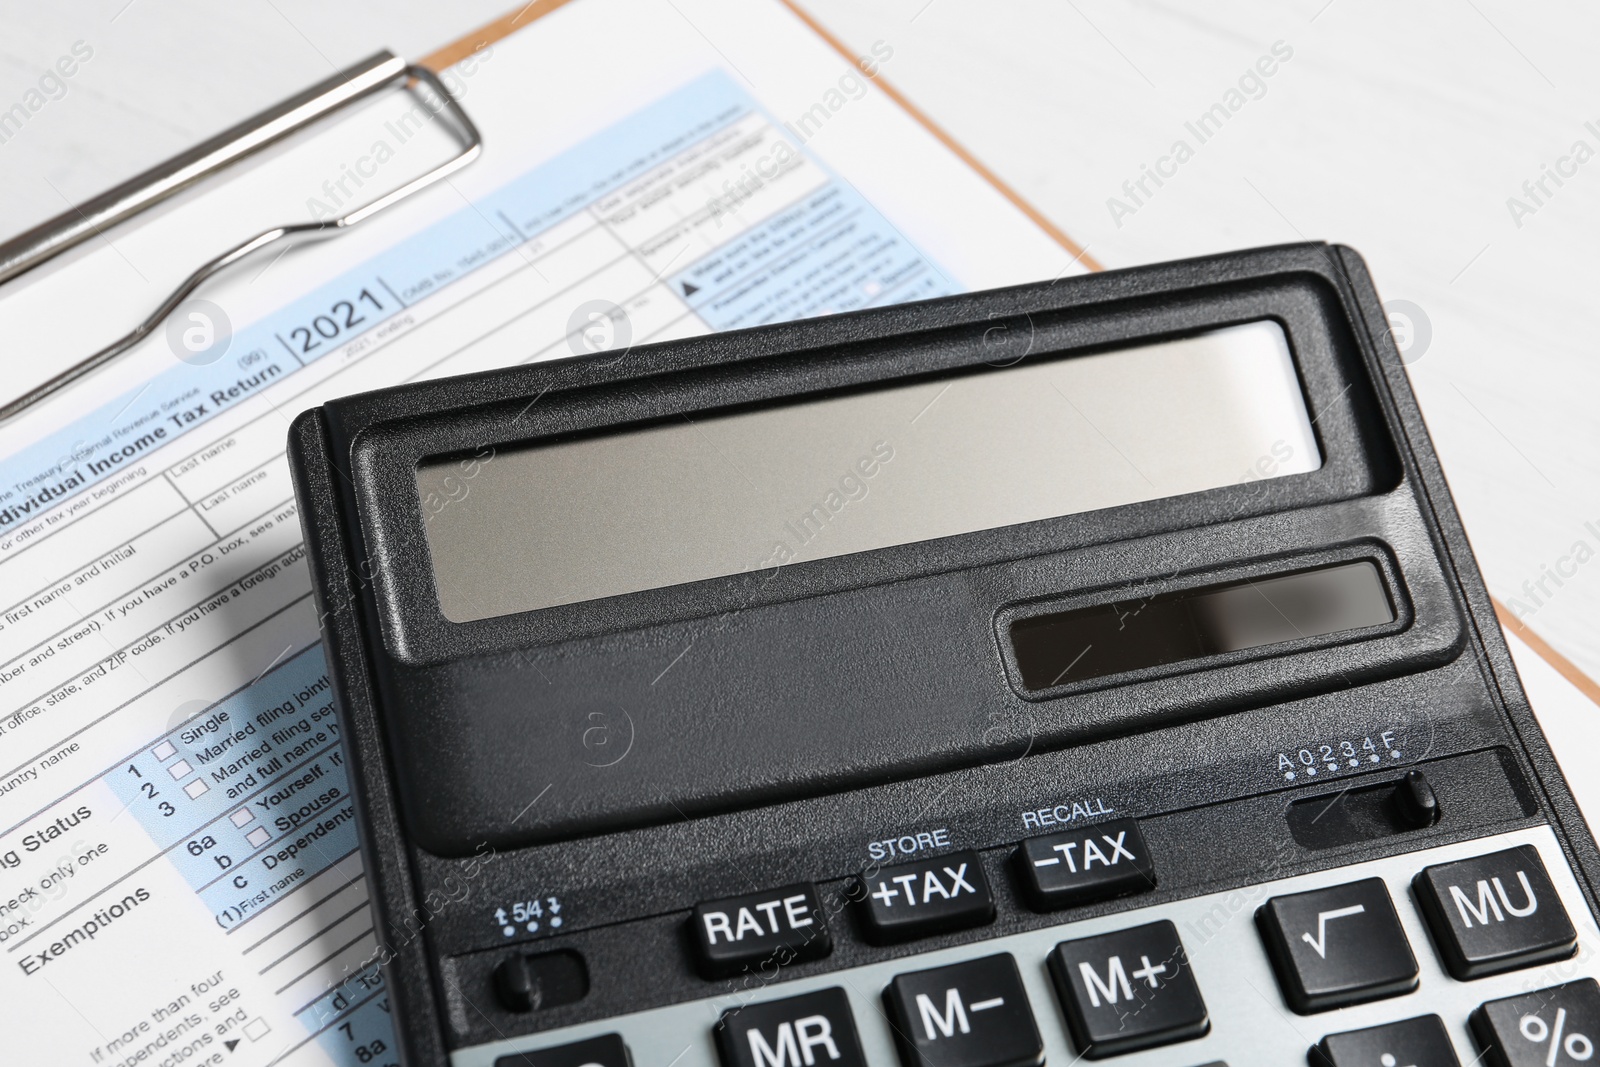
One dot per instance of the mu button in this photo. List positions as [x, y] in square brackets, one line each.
[811, 1030]
[1337, 946]
[770, 929]
[1128, 990]
[1495, 913]
[1078, 866]
[926, 897]
[969, 1014]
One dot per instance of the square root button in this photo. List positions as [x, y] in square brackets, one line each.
[773, 928]
[1337, 946]
[1128, 990]
[1495, 913]
[969, 1014]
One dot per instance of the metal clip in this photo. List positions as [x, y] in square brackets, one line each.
[48, 240]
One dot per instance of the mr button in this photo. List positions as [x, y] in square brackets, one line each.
[811, 1030]
[782, 926]
[1337, 946]
[926, 897]
[1104, 860]
[1495, 913]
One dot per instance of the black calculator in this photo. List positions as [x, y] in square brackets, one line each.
[1093, 670]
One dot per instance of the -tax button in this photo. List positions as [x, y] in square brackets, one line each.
[773, 928]
[1078, 866]
[1495, 913]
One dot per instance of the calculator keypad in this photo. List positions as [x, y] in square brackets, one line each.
[1209, 979]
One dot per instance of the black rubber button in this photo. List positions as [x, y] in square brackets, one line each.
[1337, 946]
[769, 929]
[1128, 990]
[969, 1014]
[1095, 862]
[1419, 1042]
[926, 897]
[604, 1051]
[815, 1028]
[1557, 1026]
[1495, 913]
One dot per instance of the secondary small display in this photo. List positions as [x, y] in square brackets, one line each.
[1130, 635]
[684, 500]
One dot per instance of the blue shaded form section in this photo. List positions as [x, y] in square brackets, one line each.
[831, 252]
[251, 798]
[352, 1020]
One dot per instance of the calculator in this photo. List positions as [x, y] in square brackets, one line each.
[1090, 670]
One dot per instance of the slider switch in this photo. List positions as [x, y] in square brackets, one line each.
[530, 981]
[1415, 802]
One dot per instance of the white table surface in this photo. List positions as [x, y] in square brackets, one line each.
[1399, 129]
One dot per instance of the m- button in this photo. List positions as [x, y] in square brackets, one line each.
[927, 897]
[1337, 946]
[1077, 866]
[969, 1014]
[1495, 913]
[774, 928]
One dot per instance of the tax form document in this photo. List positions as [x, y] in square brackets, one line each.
[179, 876]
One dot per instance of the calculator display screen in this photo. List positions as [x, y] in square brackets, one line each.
[686, 500]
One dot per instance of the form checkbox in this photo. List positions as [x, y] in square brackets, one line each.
[179, 769]
[242, 817]
[256, 1029]
[196, 787]
[257, 837]
[164, 751]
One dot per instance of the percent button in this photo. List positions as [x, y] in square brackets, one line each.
[1549, 1028]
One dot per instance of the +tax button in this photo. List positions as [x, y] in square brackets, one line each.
[926, 897]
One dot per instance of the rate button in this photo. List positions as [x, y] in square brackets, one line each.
[772, 928]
